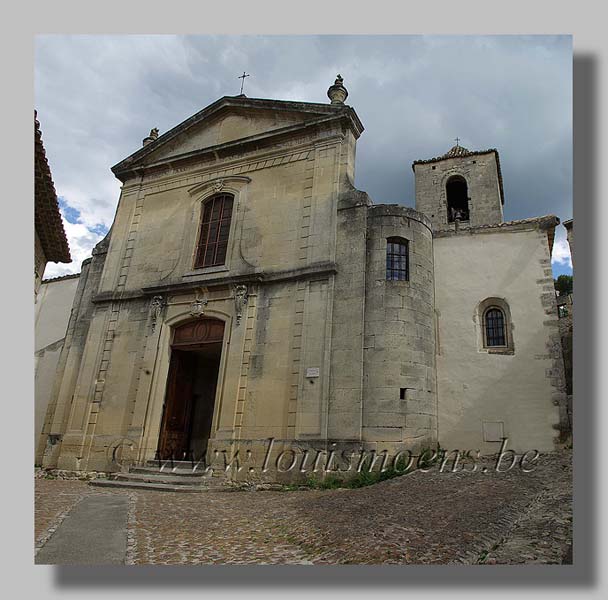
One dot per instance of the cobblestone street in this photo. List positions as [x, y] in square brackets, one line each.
[424, 518]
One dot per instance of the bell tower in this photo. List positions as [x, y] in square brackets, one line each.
[461, 188]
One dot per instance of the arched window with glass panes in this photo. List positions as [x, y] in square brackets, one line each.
[495, 327]
[216, 216]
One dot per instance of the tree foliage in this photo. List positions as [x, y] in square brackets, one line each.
[564, 284]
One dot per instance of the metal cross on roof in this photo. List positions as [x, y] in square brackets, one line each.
[243, 78]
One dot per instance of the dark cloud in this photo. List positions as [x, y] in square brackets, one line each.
[98, 96]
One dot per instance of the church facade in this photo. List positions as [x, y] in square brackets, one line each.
[248, 292]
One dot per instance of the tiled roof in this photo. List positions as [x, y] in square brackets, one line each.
[458, 151]
[61, 278]
[545, 223]
[544, 220]
[47, 216]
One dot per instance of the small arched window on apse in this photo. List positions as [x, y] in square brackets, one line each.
[457, 194]
[397, 259]
[216, 215]
[496, 326]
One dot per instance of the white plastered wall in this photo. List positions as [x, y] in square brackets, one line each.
[520, 389]
[52, 313]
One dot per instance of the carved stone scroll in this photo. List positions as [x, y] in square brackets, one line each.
[240, 300]
[157, 305]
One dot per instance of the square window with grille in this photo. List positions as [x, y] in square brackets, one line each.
[397, 259]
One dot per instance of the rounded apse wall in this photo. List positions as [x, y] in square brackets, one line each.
[400, 387]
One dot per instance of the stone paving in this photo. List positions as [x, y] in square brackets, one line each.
[422, 518]
[94, 533]
[54, 499]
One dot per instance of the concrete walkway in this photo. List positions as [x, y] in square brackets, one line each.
[93, 533]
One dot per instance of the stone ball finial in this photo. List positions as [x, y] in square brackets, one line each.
[337, 93]
[150, 138]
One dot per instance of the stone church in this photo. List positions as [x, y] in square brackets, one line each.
[247, 291]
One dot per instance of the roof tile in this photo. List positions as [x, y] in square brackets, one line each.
[47, 216]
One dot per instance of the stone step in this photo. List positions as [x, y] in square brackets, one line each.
[146, 485]
[171, 471]
[179, 464]
[171, 478]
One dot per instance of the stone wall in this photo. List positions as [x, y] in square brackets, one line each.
[518, 393]
[112, 374]
[481, 174]
[569, 225]
[346, 385]
[39, 263]
[52, 313]
[566, 331]
[400, 396]
[70, 383]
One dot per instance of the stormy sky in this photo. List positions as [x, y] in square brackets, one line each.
[98, 96]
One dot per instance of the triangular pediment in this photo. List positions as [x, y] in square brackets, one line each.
[231, 125]
[227, 121]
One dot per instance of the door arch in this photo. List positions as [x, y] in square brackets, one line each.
[196, 350]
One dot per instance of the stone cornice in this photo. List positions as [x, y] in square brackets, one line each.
[289, 150]
[219, 183]
[315, 271]
[179, 177]
[398, 210]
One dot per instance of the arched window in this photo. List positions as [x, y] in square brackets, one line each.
[215, 228]
[494, 327]
[458, 199]
[397, 259]
[495, 331]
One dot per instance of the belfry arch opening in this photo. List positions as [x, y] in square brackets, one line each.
[187, 420]
[457, 199]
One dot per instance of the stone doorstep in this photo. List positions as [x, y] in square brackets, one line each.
[146, 485]
[182, 472]
[171, 478]
[185, 464]
[174, 477]
[177, 466]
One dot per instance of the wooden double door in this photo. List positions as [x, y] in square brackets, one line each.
[191, 389]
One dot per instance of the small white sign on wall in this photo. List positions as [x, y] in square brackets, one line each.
[312, 372]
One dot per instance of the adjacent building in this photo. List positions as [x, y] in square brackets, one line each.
[50, 242]
[52, 313]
